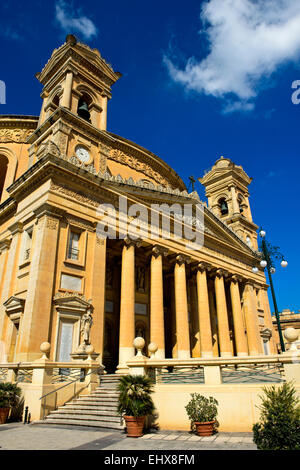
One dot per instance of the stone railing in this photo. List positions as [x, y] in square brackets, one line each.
[216, 370]
[48, 384]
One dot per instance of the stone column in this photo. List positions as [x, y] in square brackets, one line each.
[251, 319]
[235, 205]
[222, 314]
[103, 115]
[98, 293]
[203, 312]
[127, 303]
[8, 275]
[239, 329]
[38, 305]
[268, 319]
[181, 308]
[213, 318]
[67, 93]
[157, 328]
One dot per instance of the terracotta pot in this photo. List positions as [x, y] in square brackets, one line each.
[4, 412]
[205, 428]
[134, 425]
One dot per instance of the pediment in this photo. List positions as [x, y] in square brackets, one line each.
[71, 301]
[14, 305]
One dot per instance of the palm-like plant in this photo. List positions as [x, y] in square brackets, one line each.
[135, 396]
[9, 394]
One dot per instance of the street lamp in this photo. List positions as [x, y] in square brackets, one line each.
[270, 253]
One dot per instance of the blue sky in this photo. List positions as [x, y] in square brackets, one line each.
[200, 80]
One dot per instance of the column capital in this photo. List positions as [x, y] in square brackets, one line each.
[236, 278]
[220, 272]
[158, 250]
[202, 266]
[16, 227]
[182, 259]
[128, 241]
[50, 211]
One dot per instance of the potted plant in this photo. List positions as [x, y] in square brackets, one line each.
[135, 402]
[9, 397]
[202, 412]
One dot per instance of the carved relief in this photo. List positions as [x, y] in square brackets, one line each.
[15, 135]
[77, 196]
[132, 162]
[52, 224]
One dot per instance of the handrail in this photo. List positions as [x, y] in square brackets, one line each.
[213, 361]
[65, 385]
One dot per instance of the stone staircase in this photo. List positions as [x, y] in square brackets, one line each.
[99, 409]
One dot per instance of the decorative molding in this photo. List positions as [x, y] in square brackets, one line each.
[15, 135]
[134, 163]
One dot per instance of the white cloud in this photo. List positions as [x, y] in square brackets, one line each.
[71, 20]
[248, 40]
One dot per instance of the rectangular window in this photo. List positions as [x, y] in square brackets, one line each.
[73, 248]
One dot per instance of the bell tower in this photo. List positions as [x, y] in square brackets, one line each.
[78, 79]
[226, 186]
[77, 85]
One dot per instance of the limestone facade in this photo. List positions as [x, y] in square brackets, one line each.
[56, 170]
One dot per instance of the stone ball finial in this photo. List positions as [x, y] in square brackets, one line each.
[152, 348]
[45, 348]
[71, 39]
[291, 335]
[139, 344]
[89, 349]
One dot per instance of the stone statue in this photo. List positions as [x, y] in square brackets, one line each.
[86, 324]
[141, 279]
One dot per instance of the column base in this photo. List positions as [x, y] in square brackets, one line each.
[183, 355]
[226, 354]
[242, 354]
[207, 354]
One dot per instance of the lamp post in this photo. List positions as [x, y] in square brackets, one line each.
[270, 253]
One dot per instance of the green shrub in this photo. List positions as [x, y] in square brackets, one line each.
[135, 396]
[201, 409]
[279, 425]
[9, 394]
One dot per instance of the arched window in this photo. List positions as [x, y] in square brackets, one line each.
[223, 206]
[83, 107]
[241, 203]
[3, 171]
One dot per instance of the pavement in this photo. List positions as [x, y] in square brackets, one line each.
[17, 436]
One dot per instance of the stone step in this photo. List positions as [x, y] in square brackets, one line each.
[94, 406]
[84, 413]
[96, 409]
[96, 400]
[79, 422]
[84, 417]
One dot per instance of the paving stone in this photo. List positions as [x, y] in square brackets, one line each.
[171, 437]
[208, 438]
[195, 438]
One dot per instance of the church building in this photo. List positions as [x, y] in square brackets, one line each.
[63, 282]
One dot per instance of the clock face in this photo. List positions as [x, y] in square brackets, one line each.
[82, 153]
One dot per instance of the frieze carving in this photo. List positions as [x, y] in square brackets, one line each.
[79, 197]
[48, 147]
[52, 224]
[65, 295]
[75, 161]
[132, 162]
[15, 135]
